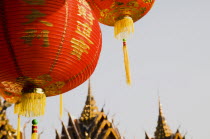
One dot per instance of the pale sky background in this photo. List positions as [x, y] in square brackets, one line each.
[169, 51]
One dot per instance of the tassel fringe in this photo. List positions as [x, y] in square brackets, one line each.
[17, 108]
[31, 105]
[126, 63]
[123, 27]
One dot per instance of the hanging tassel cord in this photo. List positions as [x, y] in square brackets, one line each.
[18, 127]
[126, 63]
[61, 106]
[34, 134]
[17, 108]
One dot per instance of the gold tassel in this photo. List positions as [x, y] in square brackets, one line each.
[18, 127]
[61, 105]
[123, 27]
[126, 63]
[34, 134]
[17, 108]
[32, 104]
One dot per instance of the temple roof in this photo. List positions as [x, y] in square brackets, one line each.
[162, 129]
[6, 130]
[90, 110]
[92, 124]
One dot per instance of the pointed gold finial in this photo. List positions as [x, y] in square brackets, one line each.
[160, 107]
[89, 88]
[162, 129]
[90, 109]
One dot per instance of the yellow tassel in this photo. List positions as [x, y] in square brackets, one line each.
[123, 27]
[17, 108]
[34, 136]
[126, 63]
[18, 127]
[32, 104]
[61, 106]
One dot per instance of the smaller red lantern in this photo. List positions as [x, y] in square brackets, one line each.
[121, 14]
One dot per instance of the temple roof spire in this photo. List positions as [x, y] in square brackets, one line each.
[160, 108]
[90, 110]
[162, 129]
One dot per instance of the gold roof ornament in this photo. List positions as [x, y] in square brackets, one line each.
[178, 135]
[90, 110]
[92, 124]
[7, 131]
[162, 129]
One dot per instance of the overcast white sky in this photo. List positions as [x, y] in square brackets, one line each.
[169, 51]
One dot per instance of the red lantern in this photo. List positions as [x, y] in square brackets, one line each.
[121, 14]
[47, 47]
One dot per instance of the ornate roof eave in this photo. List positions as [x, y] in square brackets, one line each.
[178, 135]
[103, 124]
[57, 135]
[72, 124]
[100, 115]
[77, 125]
[109, 131]
[96, 121]
[65, 131]
[146, 136]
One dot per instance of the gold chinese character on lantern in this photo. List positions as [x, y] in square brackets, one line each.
[83, 2]
[33, 17]
[90, 18]
[79, 47]
[84, 30]
[147, 1]
[32, 34]
[83, 12]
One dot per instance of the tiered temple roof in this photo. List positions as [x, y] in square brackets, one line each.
[92, 124]
[162, 130]
[6, 130]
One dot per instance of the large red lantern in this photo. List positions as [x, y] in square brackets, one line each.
[121, 14]
[47, 47]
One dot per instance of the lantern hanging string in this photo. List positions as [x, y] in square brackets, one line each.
[18, 127]
[61, 106]
[126, 63]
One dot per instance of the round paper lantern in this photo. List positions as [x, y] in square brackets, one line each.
[47, 47]
[121, 14]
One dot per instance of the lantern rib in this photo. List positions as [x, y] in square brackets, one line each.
[62, 39]
[7, 37]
